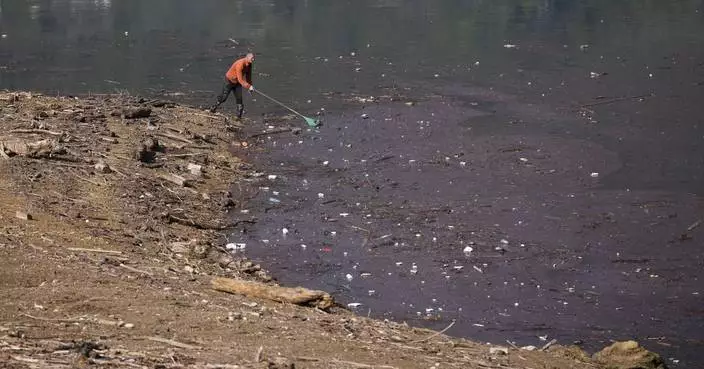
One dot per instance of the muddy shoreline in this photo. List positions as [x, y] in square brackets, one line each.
[470, 206]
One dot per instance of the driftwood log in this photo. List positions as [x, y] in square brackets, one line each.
[298, 295]
[31, 149]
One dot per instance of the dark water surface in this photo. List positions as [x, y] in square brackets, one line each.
[518, 103]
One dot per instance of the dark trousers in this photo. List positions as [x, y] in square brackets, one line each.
[227, 88]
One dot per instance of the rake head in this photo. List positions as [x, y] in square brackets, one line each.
[312, 123]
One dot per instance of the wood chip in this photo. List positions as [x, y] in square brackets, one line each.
[97, 251]
[23, 215]
[177, 179]
[37, 131]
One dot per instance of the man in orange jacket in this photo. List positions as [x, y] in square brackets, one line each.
[237, 77]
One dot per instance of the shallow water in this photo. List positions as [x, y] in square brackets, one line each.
[572, 87]
[409, 215]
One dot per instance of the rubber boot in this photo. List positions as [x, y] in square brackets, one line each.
[240, 110]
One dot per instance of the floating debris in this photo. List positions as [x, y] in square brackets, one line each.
[236, 246]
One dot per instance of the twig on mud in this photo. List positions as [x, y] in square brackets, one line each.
[87, 180]
[172, 192]
[204, 226]
[611, 101]
[274, 132]
[258, 355]
[85, 320]
[436, 333]
[196, 147]
[37, 131]
[547, 345]
[60, 320]
[207, 116]
[118, 172]
[117, 363]
[97, 251]
[26, 359]
[59, 164]
[173, 129]
[345, 362]
[201, 137]
[186, 155]
[194, 224]
[360, 229]
[69, 198]
[37, 248]
[171, 342]
[132, 269]
[175, 138]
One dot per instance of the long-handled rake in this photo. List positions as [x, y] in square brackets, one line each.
[313, 123]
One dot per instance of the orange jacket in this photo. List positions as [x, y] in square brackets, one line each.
[240, 72]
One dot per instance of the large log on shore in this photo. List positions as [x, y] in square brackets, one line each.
[298, 295]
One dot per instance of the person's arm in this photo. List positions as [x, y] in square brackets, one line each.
[241, 78]
[248, 74]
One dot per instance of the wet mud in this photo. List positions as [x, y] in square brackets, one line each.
[475, 207]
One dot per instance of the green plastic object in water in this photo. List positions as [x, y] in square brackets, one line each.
[311, 122]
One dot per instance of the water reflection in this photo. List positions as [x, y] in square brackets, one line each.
[74, 46]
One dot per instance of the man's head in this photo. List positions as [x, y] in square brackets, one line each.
[250, 57]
